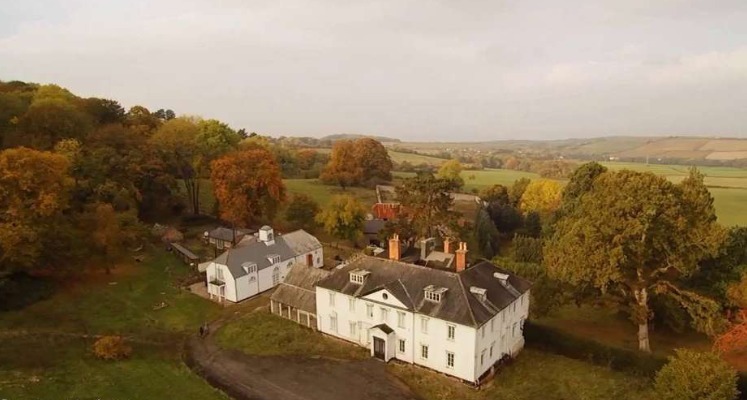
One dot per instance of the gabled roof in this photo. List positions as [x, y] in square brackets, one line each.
[301, 241]
[297, 290]
[408, 281]
[257, 252]
[226, 234]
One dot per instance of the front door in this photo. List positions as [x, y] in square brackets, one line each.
[309, 260]
[379, 348]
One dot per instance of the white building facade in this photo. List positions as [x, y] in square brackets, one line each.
[260, 263]
[458, 323]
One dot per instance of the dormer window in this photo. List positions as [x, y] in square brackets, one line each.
[358, 276]
[501, 277]
[273, 258]
[249, 268]
[434, 294]
[479, 292]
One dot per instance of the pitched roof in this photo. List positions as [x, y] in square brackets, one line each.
[301, 241]
[285, 246]
[408, 281]
[385, 210]
[297, 290]
[226, 234]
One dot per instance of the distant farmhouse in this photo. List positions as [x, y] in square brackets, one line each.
[259, 263]
[432, 310]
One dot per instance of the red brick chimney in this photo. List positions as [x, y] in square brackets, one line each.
[461, 257]
[447, 245]
[394, 250]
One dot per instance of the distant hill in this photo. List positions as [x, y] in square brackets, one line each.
[353, 136]
[621, 147]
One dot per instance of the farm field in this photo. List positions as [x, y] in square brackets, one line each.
[322, 193]
[47, 355]
[414, 159]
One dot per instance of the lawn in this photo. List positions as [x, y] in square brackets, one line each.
[322, 193]
[414, 159]
[534, 375]
[264, 334]
[44, 355]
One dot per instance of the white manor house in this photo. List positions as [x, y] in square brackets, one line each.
[453, 318]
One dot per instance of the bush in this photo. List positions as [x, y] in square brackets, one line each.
[693, 375]
[112, 348]
[559, 342]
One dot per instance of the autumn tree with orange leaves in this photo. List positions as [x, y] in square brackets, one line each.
[248, 185]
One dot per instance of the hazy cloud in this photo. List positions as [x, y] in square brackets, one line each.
[439, 70]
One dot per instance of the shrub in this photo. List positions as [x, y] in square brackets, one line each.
[112, 348]
[696, 375]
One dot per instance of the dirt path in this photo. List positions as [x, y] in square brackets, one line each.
[291, 378]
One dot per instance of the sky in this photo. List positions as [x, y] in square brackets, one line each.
[428, 70]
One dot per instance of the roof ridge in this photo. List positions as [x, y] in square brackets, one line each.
[406, 291]
[464, 293]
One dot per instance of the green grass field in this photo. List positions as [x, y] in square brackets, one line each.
[414, 159]
[322, 193]
[44, 355]
[534, 375]
[264, 334]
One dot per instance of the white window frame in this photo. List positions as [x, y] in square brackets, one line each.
[491, 349]
[424, 325]
[401, 346]
[450, 332]
[384, 314]
[353, 327]
[401, 319]
[331, 299]
[424, 351]
[333, 323]
[351, 304]
[449, 359]
[369, 310]
[482, 357]
[275, 276]
[219, 273]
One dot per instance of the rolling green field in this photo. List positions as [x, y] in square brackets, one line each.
[46, 355]
[414, 159]
[322, 193]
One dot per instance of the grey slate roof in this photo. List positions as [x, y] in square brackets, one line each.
[407, 281]
[301, 241]
[297, 290]
[257, 251]
[226, 234]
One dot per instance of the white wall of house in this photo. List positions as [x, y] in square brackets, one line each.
[350, 318]
[252, 284]
[216, 272]
[503, 333]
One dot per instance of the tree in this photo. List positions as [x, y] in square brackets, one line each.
[517, 191]
[104, 111]
[495, 194]
[342, 168]
[426, 204]
[581, 182]
[247, 185]
[177, 144]
[692, 375]
[302, 211]
[532, 225]
[112, 232]
[373, 162]
[542, 196]
[718, 274]
[451, 170]
[527, 249]
[485, 235]
[34, 189]
[635, 233]
[50, 120]
[343, 217]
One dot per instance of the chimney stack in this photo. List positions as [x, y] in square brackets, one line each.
[447, 245]
[394, 250]
[461, 257]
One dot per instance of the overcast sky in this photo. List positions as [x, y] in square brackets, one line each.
[416, 70]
